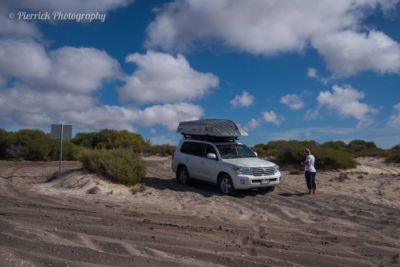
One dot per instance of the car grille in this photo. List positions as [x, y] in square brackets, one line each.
[263, 171]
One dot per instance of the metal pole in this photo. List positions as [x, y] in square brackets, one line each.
[61, 150]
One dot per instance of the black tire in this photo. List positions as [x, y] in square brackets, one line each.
[182, 175]
[225, 185]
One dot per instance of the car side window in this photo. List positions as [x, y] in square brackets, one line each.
[193, 148]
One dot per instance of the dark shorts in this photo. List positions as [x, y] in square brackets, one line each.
[310, 179]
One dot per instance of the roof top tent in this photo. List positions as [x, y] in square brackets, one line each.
[211, 129]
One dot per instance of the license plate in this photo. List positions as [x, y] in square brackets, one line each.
[265, 181]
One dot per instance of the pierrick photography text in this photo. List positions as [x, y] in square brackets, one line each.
[59, 16]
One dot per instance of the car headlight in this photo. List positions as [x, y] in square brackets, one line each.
[243, 170]
[276, 167]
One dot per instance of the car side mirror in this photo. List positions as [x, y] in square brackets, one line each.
[255, 153]
[211, 156]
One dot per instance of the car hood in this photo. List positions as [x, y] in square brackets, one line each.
[249, 162]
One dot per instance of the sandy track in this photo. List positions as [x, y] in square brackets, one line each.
[82, 220]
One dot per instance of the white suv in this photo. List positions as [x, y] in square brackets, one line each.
[231, 165]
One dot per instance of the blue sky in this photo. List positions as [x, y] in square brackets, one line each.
[282, 69]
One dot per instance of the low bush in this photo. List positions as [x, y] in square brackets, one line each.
[119, 165]
[111, 139]
[328, 159]
[292, 153]
[161, 150]
[393, 156]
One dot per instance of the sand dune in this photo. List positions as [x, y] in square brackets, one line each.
[80, 219]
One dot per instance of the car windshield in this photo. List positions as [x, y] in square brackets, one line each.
[234, 151]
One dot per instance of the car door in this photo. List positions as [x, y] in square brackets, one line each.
[194, 152]
[209, 167]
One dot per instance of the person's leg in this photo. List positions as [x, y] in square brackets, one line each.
[308, 181]
[313, 185]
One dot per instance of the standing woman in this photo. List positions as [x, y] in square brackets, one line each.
[310, 171]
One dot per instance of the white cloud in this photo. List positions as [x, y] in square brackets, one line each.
[80, 69]
[253, 124]
[272, 117]
[21, 103]
[161, 77]
[24, 59]
[27, 106]
[345, 101]
[169, 115]
[313, 73]
[39, 87]
[394, 120]
[270, 27]
[67, 68]
[347, 53]
[17, 28]
[244, 100]
[293, 101]
[117, 117]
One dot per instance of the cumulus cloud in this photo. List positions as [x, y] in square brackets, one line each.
[293, 101]
[161, 77]
[313, 73]
[31, 107]
[347, 53]
[39, 87]
[15, 55]
[80, 69]
[169, 115]
[345, 101]
[21, 103]
[272, 117]
[243, 100]
[67, 68]
[394, 120]
[270, 27]
[253, 124]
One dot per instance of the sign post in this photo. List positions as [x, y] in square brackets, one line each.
[62, 132]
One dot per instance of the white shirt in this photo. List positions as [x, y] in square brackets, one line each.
[310, 159]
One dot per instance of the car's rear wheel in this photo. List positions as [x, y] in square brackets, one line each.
[182, 175]
[225, 185]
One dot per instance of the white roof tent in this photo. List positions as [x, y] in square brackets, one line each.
[215, 129]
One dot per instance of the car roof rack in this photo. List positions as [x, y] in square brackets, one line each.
[211, 130]
[210, 138]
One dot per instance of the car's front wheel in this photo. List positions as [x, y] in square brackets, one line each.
[182, 175]
[225, 185]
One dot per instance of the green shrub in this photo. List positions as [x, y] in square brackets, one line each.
[30, 144]
[5, 143]
[292, 153]
[393, 156]
[328, 159]
[111, 139]
[162, 150]
[70, 151]
[119, 165]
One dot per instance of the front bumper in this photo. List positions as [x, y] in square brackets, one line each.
[241, 181]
